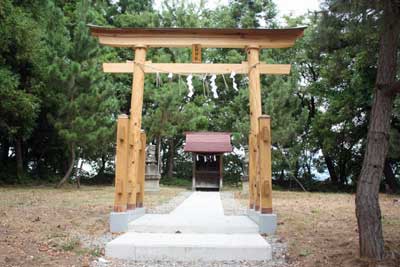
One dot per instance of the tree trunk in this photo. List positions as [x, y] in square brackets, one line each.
[79, 174]
[331, 169]
[102, 167]
[367, 198]
[390, 178]
[342, 172]
[18, 157]
[70, 168]
[282, 178]
[171, 152]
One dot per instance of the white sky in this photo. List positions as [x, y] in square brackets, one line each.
[298, 7]
[285, 7]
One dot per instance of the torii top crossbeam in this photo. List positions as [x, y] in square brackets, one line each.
[206, 37]
[196, 38]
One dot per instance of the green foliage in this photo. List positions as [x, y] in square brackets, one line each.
[18, 109]
[55, 100]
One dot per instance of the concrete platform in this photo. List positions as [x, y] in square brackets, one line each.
[119, 221]
[196, 230]
[267, 223]
[189, 247]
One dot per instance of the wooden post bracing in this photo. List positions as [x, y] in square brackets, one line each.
[252, 171]
[255, 112]
[141, 173]
[135, 123]
[121, 174]
[265, 163]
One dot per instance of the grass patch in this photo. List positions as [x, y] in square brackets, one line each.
[173, 181]
[47, 223]
[70, 244]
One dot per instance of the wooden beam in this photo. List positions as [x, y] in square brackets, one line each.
[118, 67]
[206, 37]
[265, 163]
[252, 172]
[274, 68]
[196, 68]
[135, 123]
[186, 37]
[180, 42]
[120, 198]
[141, 170]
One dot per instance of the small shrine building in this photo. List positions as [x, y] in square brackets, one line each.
[208, 149]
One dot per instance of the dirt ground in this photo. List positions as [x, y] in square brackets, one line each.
[43, 226]
[47, 226]
[321, 228]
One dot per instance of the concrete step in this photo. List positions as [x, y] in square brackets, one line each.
[171, 223]
[189, 247]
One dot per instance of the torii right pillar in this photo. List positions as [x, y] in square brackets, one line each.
[260, 174]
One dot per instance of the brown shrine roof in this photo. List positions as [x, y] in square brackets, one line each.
[208, 142]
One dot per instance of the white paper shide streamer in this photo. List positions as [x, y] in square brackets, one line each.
[158, 79]
[190, 85]
[214, 86]
[233, 80]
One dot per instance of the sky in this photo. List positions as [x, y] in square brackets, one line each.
[285, 7]
[298, 7]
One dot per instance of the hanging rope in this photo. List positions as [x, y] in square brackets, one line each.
[156, 69]
[190, 77]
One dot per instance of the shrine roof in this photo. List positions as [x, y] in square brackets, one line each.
[206, 37]
[208, 142]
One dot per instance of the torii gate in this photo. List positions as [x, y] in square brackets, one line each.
[130, 155]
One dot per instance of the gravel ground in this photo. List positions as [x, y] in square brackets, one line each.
[106, 263]
[231, 207]
[99, 243]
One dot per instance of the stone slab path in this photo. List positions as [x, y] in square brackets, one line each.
[201, 212]
[196, 230]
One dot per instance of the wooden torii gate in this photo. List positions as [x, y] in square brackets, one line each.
[131, 140]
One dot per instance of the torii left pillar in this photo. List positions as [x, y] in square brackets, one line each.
[131, 144]
[260, 182]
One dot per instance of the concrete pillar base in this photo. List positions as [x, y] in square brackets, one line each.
[267, 223]
[245, 187]
[152, 185]
[119, 221]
